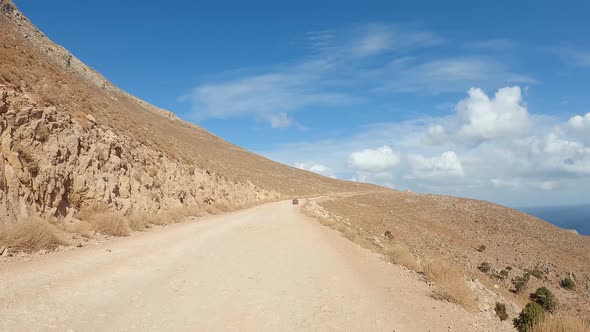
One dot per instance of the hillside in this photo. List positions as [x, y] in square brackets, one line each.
[71, 139]
[468, 233]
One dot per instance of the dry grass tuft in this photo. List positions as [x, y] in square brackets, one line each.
[177, 215]
[350, 235]
[79, 227]
[30, 235]
[110, 223]
[214, 209]
[326, 221]
[401, 255]
[561, 323]
[450, 283]
[340, 227]
[104, 221]
[139, 221]
[159, 219]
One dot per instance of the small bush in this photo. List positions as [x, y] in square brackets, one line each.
[519, 286]
[402, 256]
[450, 283]
[500, 310]
[504, 274]
[520, 283]
[481, 248]
[29, 235]
[138, 221]
[388, 235]
[109, 223]
[175, 215]
[484, 267]
[326, 221]
[536, 272]
[79, 227]
[508, 268]
[532, 314]
[567, 283]
[501, 275]
[545, 298]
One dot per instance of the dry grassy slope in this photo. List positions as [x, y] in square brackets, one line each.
[442, 226]
[37, 74]
[75, 88]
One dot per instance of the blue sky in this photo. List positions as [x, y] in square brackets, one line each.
[477, 99]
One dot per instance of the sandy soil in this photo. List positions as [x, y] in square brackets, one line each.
[266, 268]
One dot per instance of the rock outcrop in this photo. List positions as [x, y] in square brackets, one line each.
[54, 161]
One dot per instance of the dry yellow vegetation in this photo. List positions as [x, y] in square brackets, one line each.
[400, 255]
[449, 282]
[561, 323]
[29, 235]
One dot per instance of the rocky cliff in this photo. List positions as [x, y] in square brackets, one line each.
[54, 162]
[70, 139]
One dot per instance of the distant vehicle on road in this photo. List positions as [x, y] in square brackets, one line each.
[295, 201]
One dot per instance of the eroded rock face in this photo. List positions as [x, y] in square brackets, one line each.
[53, 161]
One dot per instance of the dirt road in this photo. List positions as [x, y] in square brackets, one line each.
[266, 268]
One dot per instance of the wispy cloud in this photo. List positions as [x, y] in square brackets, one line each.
[447, 75]
[499, 44]
[575, 56]
[268, 97]
[347, 67]
[369, 40]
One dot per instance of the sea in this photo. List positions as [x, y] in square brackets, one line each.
[569, 217]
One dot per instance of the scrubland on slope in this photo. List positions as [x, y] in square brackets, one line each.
[458, 235]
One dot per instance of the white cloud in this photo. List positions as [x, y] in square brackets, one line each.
[506, 183]
[444, 166]
[280, 120]
[552, 153]
[520, 183]
[316, 168]
[436, 134]
[374, 42]
[379, 160]
[580, 122]
[479, 118]
[546, 162]
[546, 185]
[483, 118]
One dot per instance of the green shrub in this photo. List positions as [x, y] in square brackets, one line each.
[500, 310]
[520, 283]
[503, 274]
[481, 248]
[567, 283]
[485, 267]
[536, 272]
[545, 298]
[500, 275]
[509, 268]
[530, 315]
